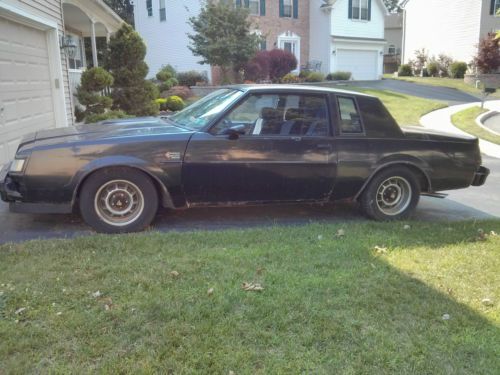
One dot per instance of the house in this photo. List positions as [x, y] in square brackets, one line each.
[448, 27]
[164, 27]
[394, 39]
[41, 59]
[348, 35]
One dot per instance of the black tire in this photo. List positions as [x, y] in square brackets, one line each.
[106, 192]
[392, 194]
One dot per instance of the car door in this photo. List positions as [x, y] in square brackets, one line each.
[269, 147]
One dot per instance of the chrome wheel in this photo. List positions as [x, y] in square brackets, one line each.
[394, 195]
[119, 202]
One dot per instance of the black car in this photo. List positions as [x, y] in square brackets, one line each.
[239, 145]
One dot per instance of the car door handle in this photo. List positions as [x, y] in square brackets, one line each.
[324, 146]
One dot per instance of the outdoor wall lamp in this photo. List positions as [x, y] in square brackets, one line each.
[68, 46]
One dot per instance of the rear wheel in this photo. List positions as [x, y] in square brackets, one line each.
[118, 200]
[391, 195]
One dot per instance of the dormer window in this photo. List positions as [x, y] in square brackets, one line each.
[360, 10]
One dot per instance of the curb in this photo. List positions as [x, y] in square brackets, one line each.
[485, 116]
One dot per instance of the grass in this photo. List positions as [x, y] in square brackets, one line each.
[466, 121]
[406, 109]
[454, 83]
[331, 304]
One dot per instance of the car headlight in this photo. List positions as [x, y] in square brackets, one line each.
[17, 165]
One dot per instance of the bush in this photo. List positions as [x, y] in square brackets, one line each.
[405, 71]
[339, 76]
[281, 62]
[93, 82]
[458, 69]
[290, 78]
[165, 73]
[433, 69]
[487, 59]
[444, 62]
[257, 69]
[174, 103]
[168, 84]
[190, 78]
[183, 92]
[109, 115]
[79, 114]
[162, 103]
[315, 77]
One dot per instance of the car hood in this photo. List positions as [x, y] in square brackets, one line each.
[106, 130]
[417, 132]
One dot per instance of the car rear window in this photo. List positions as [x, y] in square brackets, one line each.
[350, 120]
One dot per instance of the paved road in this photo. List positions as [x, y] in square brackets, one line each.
[493, 123]
[473, 203]
[445, 94]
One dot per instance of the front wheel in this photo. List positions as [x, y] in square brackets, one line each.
[118, 200]
[392, 194]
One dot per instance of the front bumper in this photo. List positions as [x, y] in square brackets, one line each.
[8, 190]
[480, 176]
[3, 176]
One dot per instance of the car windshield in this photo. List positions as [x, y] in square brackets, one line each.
[199, 114]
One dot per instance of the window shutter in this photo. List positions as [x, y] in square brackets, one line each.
[492, 7]
[262, 7]
[282, 9]
[369, 10]
[238, 3]
[295, 8]
[350, 9]
[247, 3]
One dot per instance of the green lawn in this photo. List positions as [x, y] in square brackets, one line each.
[454, 83]
[406, 109]
[466, 121]
[330, 304]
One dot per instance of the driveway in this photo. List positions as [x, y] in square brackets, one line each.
[474, 203]
[445, 94]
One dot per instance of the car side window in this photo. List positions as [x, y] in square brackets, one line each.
[278, 115]
[350, 120]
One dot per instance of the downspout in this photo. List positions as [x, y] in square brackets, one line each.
[403, 42]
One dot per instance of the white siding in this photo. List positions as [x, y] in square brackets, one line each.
[320, 39]
[489, 23]
[167, 42]
[442, 26]
[343, 26]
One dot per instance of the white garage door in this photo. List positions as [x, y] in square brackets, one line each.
[362, 64]
[26, 103]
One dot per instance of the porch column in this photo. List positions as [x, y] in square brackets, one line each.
[93, 42]
[108, 35]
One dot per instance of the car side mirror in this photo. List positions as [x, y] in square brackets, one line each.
[234, 132]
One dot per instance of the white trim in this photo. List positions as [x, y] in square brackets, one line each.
[54, 52]
[293, 38]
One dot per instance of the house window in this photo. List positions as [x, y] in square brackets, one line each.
[163, 12]
[263, 44]
[496, 10]
[391, 50]
[287, 8]
[289, 46]
[76, 61]
[254, 6]
[360, 10]
[149, 7]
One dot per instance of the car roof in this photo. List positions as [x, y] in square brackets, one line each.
[274, 87]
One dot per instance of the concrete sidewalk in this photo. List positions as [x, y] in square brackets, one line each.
[441, 120]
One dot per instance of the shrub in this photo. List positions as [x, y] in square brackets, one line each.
[339, 76]
[79, 114]
[444, 62]
[433, 69]
[109, 115]
[304, 73]
[174, 103]
[257, 69]
[458, 69]
[421, 58]
[405, 70]
[131, 92]
[93, 82]
[281, 62]
[168, 84]
[162, 103]
[315, 77]
[183, 92]
[165, 73]
[190, 78]
[290, 78]
[487, 59]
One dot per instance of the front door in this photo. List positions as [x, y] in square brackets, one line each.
[283, 152]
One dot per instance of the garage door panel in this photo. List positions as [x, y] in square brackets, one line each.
[363, 64]
[25, 85]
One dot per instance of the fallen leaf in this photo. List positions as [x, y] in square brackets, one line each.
[210, 292]
[340, 233]
[446, 317]
[380, 250]
[493, 233]
[252, 287]
[107, 307]
[21, 310]
[59, 313]
[96, 294]
[231, 372]
[174, 274]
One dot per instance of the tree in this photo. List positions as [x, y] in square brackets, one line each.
[393, 6]
[124, 8]
[131, 92]
[487, 59]
[93, 82]
[222, 37]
